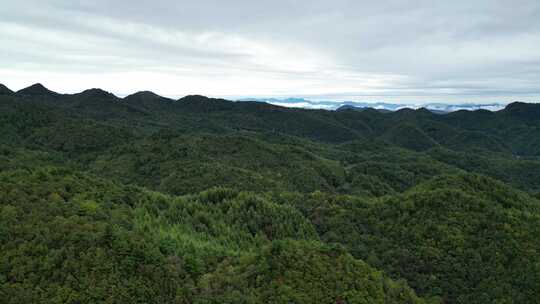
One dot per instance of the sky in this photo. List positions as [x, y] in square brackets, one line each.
[393, 51]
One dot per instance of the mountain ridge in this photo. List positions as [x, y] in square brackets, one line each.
[5, 90]
[213, 114]
[95, 93]
[37, 89]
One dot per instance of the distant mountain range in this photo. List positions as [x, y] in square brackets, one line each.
[438, 108]
[383, 107]
[416, 128]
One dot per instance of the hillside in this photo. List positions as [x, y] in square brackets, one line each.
[465, 238]
[146, 199]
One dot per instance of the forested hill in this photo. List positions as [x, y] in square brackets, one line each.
[146, 199]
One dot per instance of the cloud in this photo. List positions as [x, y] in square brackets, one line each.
[419, 51]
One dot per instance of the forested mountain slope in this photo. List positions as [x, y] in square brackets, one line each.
[152, 200]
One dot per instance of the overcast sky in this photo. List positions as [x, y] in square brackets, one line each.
[420, 51]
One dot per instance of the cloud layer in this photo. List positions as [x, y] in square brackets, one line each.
[363, 50]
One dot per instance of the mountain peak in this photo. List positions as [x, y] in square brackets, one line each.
[148, 100]
[523, 110]
[194, 98]
[37, 86]
[96, 93]
[144, 95]
[36, 90]
[516, 105]
[349, 108]
[5, 90]
[405, 110]
[424, 111]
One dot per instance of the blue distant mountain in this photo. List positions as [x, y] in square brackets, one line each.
[438, 108]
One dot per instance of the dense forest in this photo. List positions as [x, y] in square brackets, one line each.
[146, 199]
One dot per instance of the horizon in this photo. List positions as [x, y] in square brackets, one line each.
[457, 52]
[305, 103]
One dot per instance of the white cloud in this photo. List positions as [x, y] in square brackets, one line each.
[385, 50]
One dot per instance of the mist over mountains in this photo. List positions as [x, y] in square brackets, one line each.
[334, 105]
[39, 89]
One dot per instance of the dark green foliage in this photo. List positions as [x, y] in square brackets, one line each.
[465, 238]
[397, 176]
[519, 172]
[186, 164]
[410, 137]
[79, 137]
[474, 140]
[523, 111]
